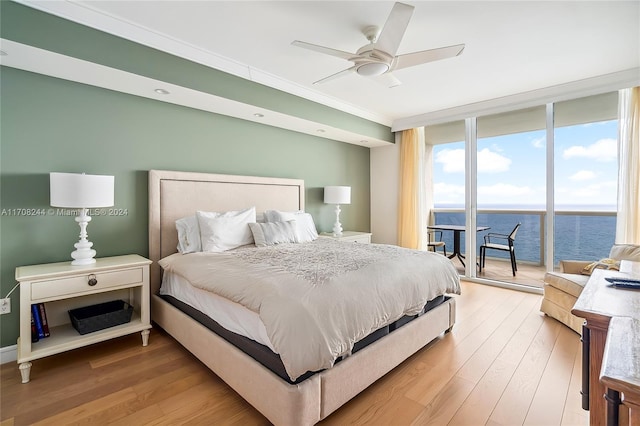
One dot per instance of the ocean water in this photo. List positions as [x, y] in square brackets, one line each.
[577, 237]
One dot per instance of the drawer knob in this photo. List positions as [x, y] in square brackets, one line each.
[92, 280]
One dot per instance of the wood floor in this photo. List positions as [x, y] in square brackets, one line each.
[528, 274]
[503, 364]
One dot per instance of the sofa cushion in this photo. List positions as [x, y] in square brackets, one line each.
[625, 252]
[558, 304]
[569, 283]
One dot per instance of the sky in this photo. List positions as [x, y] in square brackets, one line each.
[511, 168]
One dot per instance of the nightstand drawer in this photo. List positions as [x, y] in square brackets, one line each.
[365, 239]
[81, 283]
[350, 237]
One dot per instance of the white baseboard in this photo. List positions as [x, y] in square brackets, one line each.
[9, 354]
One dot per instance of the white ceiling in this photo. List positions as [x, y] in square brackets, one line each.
[512, 47]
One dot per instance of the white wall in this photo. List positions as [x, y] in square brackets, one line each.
[385, 166]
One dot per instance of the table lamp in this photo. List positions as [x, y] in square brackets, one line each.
[337, 195]
[81, 191]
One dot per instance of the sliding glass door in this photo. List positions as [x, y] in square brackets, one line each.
[500, 170]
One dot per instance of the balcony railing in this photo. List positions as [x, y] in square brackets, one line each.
[579, 235]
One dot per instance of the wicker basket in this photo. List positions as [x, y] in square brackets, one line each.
[98, 317]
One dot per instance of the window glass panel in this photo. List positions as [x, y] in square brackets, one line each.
[586, 171]
[511, 176]
[447, 170]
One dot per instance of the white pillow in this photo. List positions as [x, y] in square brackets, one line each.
[278, 216]
[188, 235]
[271, 233]
[225, 231]
[306, 227]
[304, 222]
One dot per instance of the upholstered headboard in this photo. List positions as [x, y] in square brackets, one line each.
[173, 195]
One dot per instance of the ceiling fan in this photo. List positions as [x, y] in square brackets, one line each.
[378, 58]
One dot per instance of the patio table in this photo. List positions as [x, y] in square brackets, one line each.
[457, 230]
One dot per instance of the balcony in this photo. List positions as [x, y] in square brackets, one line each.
[580, 235]
[500, 270]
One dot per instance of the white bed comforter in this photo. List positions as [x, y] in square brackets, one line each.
[317, 299]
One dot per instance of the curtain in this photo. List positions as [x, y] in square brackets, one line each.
[428, 182]
[411, 212]
[628, 218]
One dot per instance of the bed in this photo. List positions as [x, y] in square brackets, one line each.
[174, 195]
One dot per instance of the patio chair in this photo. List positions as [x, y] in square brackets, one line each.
[506, 244]
[435, 240]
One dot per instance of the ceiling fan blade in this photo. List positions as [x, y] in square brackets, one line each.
[387, 79]
[424, 56]
[394, 29]
[326, 50]
[336, 75]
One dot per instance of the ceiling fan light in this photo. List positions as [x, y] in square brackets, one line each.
[372, 69]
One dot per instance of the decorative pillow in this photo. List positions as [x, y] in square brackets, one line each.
[188, 235]
[612, 264]
[304, 222]
[225, 231]
[271, 233]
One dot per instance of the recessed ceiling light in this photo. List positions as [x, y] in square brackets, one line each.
[364, 141]
[320, 130]
[161, 91]
[257, 114]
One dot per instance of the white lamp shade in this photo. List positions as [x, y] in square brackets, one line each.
[337, 194]
[76, 190]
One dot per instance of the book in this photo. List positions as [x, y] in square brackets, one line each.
[36, 318]
[34, 331]
[43, 319]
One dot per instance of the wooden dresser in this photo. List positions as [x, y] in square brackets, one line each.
[598, 305]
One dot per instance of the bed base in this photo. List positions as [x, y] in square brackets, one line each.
[312, 400]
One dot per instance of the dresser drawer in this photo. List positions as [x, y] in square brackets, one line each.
[79, 284]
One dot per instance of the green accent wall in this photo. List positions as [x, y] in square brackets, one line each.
[49, 124]
[25, 25]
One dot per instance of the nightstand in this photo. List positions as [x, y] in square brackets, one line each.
[351, 237]
[62, 287]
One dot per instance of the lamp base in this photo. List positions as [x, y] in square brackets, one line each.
[337, 227]
[83, 254]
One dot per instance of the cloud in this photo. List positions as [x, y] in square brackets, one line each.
[447, 192]
[452, 161]
[604, 192]
[540, 142]
[492, 162]
[601, 150]
[503, 190]
[583, 175]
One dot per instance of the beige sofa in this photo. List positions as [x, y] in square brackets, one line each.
[562, 289]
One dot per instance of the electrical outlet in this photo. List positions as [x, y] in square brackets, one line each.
[5, 306]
